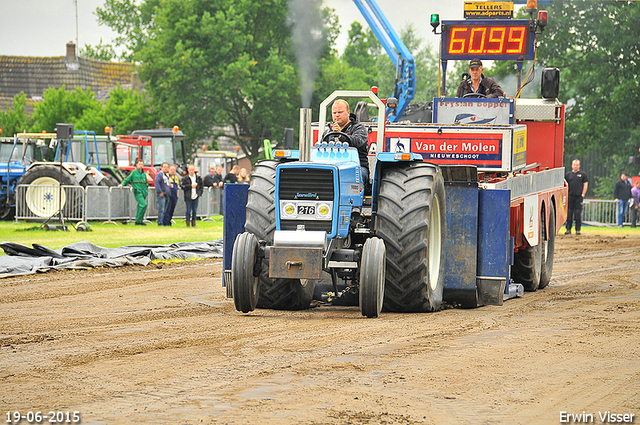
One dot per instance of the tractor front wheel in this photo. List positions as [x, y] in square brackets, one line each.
[372, 277]
[243, 281]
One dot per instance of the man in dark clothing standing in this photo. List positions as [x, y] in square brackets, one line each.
[479, 84]
[578, 184]
[346, 122]
[163, 191]
[622, 193]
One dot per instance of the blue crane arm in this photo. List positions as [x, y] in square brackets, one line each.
[397, 51]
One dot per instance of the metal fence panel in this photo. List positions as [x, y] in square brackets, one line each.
[40, 202]
[602, 211]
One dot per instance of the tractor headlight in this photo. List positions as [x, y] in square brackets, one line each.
[323, 211]
[289, 210]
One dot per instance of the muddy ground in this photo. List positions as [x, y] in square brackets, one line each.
[163, 344]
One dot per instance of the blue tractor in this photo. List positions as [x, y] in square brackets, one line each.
[309, 214]
[16, 155]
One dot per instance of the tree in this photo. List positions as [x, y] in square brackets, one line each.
[125, 110]
[61, 106]
[102, 51]
[596, 45]
[208, 62]
[14, 119]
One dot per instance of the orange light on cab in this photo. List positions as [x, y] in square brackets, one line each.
[107, 130]
[176, 129]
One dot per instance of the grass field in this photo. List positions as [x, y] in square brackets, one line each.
[110, 235]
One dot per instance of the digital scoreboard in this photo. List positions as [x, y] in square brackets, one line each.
[487, 39]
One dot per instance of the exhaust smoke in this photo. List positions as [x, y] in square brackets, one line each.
[308, 41]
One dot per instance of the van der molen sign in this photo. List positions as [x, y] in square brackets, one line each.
[488, 9]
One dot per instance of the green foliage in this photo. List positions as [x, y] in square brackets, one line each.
[104, 52]
[61, 106]
[125, 111]
[14, 119]
[596, 45]
[207, 62]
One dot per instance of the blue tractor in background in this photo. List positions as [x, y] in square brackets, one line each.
[16, 155]
[309, 214]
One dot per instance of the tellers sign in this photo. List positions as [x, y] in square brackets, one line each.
[487, 39]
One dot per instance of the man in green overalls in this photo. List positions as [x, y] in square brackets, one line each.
[138, 180]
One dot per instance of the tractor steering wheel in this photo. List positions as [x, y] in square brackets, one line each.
[475, 95]
[336, 133]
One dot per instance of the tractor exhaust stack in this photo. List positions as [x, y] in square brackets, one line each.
[305, 135]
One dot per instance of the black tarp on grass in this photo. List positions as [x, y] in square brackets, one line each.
[22, 260]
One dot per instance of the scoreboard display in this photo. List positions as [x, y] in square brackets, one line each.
[487, 39]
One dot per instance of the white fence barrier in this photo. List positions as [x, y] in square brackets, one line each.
[602, 211]
[40, 202]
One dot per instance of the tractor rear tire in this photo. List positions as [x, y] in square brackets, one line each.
[411, 219]
[277, 294]
[548, 249]
[244, 283]
[372, 277]
[527, 264]
[40, 179]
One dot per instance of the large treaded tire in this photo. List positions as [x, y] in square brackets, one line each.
[548, 249]
[49, 175]
[411, 219]
[372, 277]
[527, 264]
[245, 284]
[277, 294]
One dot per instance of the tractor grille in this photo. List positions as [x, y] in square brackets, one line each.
[297, 182]
[311, 184]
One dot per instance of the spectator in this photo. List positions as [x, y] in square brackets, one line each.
[163, 191]
[232, 176]
[635, 203]
[578, 184]
[138, 180]
[214, 178]
[622, 194]
[218, 179]
[193, 188]
[174, 183]
[243, 177]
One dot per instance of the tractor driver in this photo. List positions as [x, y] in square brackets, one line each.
[346, 122]
[478, 84]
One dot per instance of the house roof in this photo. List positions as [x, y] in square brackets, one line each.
[33, 75]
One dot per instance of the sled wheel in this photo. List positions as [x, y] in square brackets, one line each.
[372, 277]
[245, 284]
[527, 264]
[548, 248]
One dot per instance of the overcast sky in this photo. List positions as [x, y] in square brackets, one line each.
[44, 27]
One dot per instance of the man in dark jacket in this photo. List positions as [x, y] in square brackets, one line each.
[346, 122]
[478, 84]
[578, 183]
[192, 186]
[163, 191]
[622, 193]
[174, 184]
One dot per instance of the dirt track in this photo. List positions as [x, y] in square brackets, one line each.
[164, 345]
